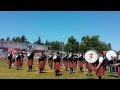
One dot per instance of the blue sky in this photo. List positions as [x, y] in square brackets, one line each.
[59, 25]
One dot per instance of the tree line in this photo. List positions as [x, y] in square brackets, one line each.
[72, 44]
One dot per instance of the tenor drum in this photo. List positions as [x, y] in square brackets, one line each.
[111, 54]
[91, 56]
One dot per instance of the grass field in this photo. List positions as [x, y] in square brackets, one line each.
[6, 73]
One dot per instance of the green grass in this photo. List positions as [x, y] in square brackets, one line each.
[6, 73]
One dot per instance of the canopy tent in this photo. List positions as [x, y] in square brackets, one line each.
[12, 50]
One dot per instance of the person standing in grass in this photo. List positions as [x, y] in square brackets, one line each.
[119, 71]
[65, 61]
[42, 59]
[71, 62]
[57, 61]
[30, 60]
[10, 59]
[100, 71]
[18, 61]
[75, 58]
[80, 61]
[50, 61]
[22, 58]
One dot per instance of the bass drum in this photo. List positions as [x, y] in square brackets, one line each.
[91, 56]
[110, 54]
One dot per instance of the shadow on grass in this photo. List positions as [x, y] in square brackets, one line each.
[113, 76]
[90, 78]
[32, 71]
[60, 75]
[43, 72]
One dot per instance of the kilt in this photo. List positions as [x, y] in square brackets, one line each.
[57, 66]
[50, 63]
[74, 64]
[89, 66]
[118, 70]
[66, 63]
[30, 62]
[41, 64]
[101, 71]
[94, 69]
[71, 65]
[60, 64]
[18, 62]
[9, 62]
[80, 64]
[21, 62]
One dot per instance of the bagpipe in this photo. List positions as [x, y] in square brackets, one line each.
[28, 54]
[42, 57]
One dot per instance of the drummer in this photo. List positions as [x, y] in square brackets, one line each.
[119, 69]
[100, 71]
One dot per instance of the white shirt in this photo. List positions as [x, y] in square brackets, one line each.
[70, 55]
[54, 57]
[28, 54]
[101, 59]
[16, 56]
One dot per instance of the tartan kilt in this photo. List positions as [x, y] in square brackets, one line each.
[50, 63]
[41, 64]
[66, 63]
[101, 71]
[57, 66]
[74, 64]
[80, 64]
[21, 62]
[88, 65]
[30, 62]
[94, 69]
[18, 62]
[118, 70]
[9, 62]
[60, 64]
[71, 64]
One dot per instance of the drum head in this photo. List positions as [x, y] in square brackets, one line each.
[110, 54]
[91, 56]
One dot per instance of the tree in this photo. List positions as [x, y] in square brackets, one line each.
[18, 39]
[93, 43]
[13, 39]
[8, 38]
[61, 46]
[72, 45]
[55, 45]
[109, 45]
[2, 39]
[47, 42]
[38, 41]
[23, 39]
